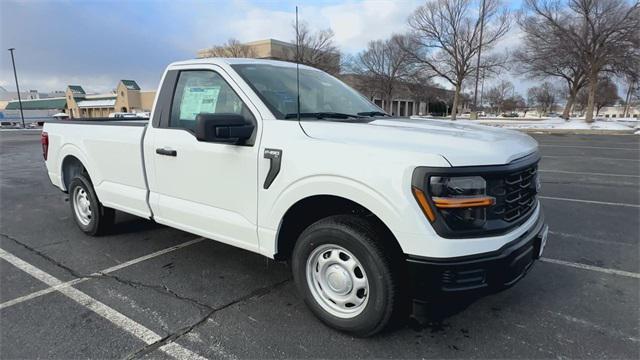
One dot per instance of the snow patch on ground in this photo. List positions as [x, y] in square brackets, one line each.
[552, 123]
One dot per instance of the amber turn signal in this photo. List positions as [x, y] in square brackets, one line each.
[463, 202]
[424, 204]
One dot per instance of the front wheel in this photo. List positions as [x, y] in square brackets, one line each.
[347, 276]
[89, 214]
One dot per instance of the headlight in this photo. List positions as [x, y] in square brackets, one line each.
[477, 201]
[461, 201]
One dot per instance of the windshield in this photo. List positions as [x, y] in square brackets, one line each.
[321, 95]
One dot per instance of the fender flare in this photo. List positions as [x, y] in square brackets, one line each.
[347, 188]
[72, 150]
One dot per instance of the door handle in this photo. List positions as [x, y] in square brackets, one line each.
[166, 152]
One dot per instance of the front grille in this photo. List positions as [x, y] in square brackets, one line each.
[515, 194]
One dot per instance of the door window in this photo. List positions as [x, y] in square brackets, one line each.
[203, 91]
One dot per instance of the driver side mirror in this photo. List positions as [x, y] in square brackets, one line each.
[223, 128]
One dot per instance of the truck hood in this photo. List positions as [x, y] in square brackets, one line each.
[461, 143]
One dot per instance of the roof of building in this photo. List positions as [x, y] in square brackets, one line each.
[270, 41]
[97, 103]
[39, 104]
[99, 97]
[76, 89]
[130, 84]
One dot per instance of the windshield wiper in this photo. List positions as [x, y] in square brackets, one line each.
[373, 113]
[323, 115]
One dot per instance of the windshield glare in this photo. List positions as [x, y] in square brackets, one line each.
[319, 91]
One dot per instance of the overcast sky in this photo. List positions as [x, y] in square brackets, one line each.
[96, 43]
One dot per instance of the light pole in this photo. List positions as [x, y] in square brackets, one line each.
[475, 93]
[15, 74]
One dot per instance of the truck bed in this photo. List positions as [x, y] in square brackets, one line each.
[111, 151]
[102, 121]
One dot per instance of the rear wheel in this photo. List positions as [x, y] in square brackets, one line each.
[346, 275]
[88, 213]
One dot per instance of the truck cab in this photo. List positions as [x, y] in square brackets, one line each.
[289, 162]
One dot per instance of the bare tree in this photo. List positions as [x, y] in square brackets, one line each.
[232, 48]
[316, 49]
[499, 94]
[420, 86]
[630, 74]
[600, 33]
[385, 65]
[543, 98]
[446, 38]
[514, 103]
[541, 56]
[606, 95]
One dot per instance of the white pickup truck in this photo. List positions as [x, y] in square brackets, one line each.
[371, 210]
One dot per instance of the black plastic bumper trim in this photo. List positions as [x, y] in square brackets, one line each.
[495, 270]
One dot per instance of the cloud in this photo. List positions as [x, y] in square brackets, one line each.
[96, 43]
[357, 23]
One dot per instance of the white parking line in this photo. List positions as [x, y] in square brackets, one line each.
[590, 147]
[588, 173]
[563, 235]
[586, 323]
[590, 157]
[592, 268]
[57, 287]
[115, 317]
[590, 201]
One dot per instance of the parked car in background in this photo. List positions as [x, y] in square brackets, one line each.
[144, 114]
[371, 210]
[122, 115]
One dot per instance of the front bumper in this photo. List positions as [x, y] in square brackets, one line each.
[490, 272]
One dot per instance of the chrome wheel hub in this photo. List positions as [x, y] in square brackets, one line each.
[337, 281]
[82, 206]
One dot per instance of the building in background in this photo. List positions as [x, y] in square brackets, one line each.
[404, 103]
[618, 111]
[127, 97]
[262, 49]
[7, 96]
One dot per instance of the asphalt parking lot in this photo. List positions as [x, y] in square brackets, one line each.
[148, 291]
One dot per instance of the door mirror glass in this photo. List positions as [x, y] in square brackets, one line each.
[223, 128]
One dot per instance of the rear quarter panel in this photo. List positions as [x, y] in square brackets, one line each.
[113, 159]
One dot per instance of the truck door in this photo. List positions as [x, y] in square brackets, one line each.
[206, 188]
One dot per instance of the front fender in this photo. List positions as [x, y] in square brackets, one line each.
[343, 187]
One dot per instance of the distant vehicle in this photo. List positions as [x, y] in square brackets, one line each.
[60, 116]
[510, 115]
[122, 115]
[10, 124]
[145, 114]
[372, 210]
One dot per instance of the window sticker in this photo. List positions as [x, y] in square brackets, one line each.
[198, 99]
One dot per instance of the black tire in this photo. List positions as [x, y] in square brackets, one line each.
[101, 218]
[386, 301]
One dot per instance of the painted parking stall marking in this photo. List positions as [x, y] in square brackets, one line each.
[125, 264]
[590, 147]
[589, 201]
[592, 268]
[587, 173]
[115, 317]
[591, 157]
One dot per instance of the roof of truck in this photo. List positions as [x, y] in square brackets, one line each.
[234, 61]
